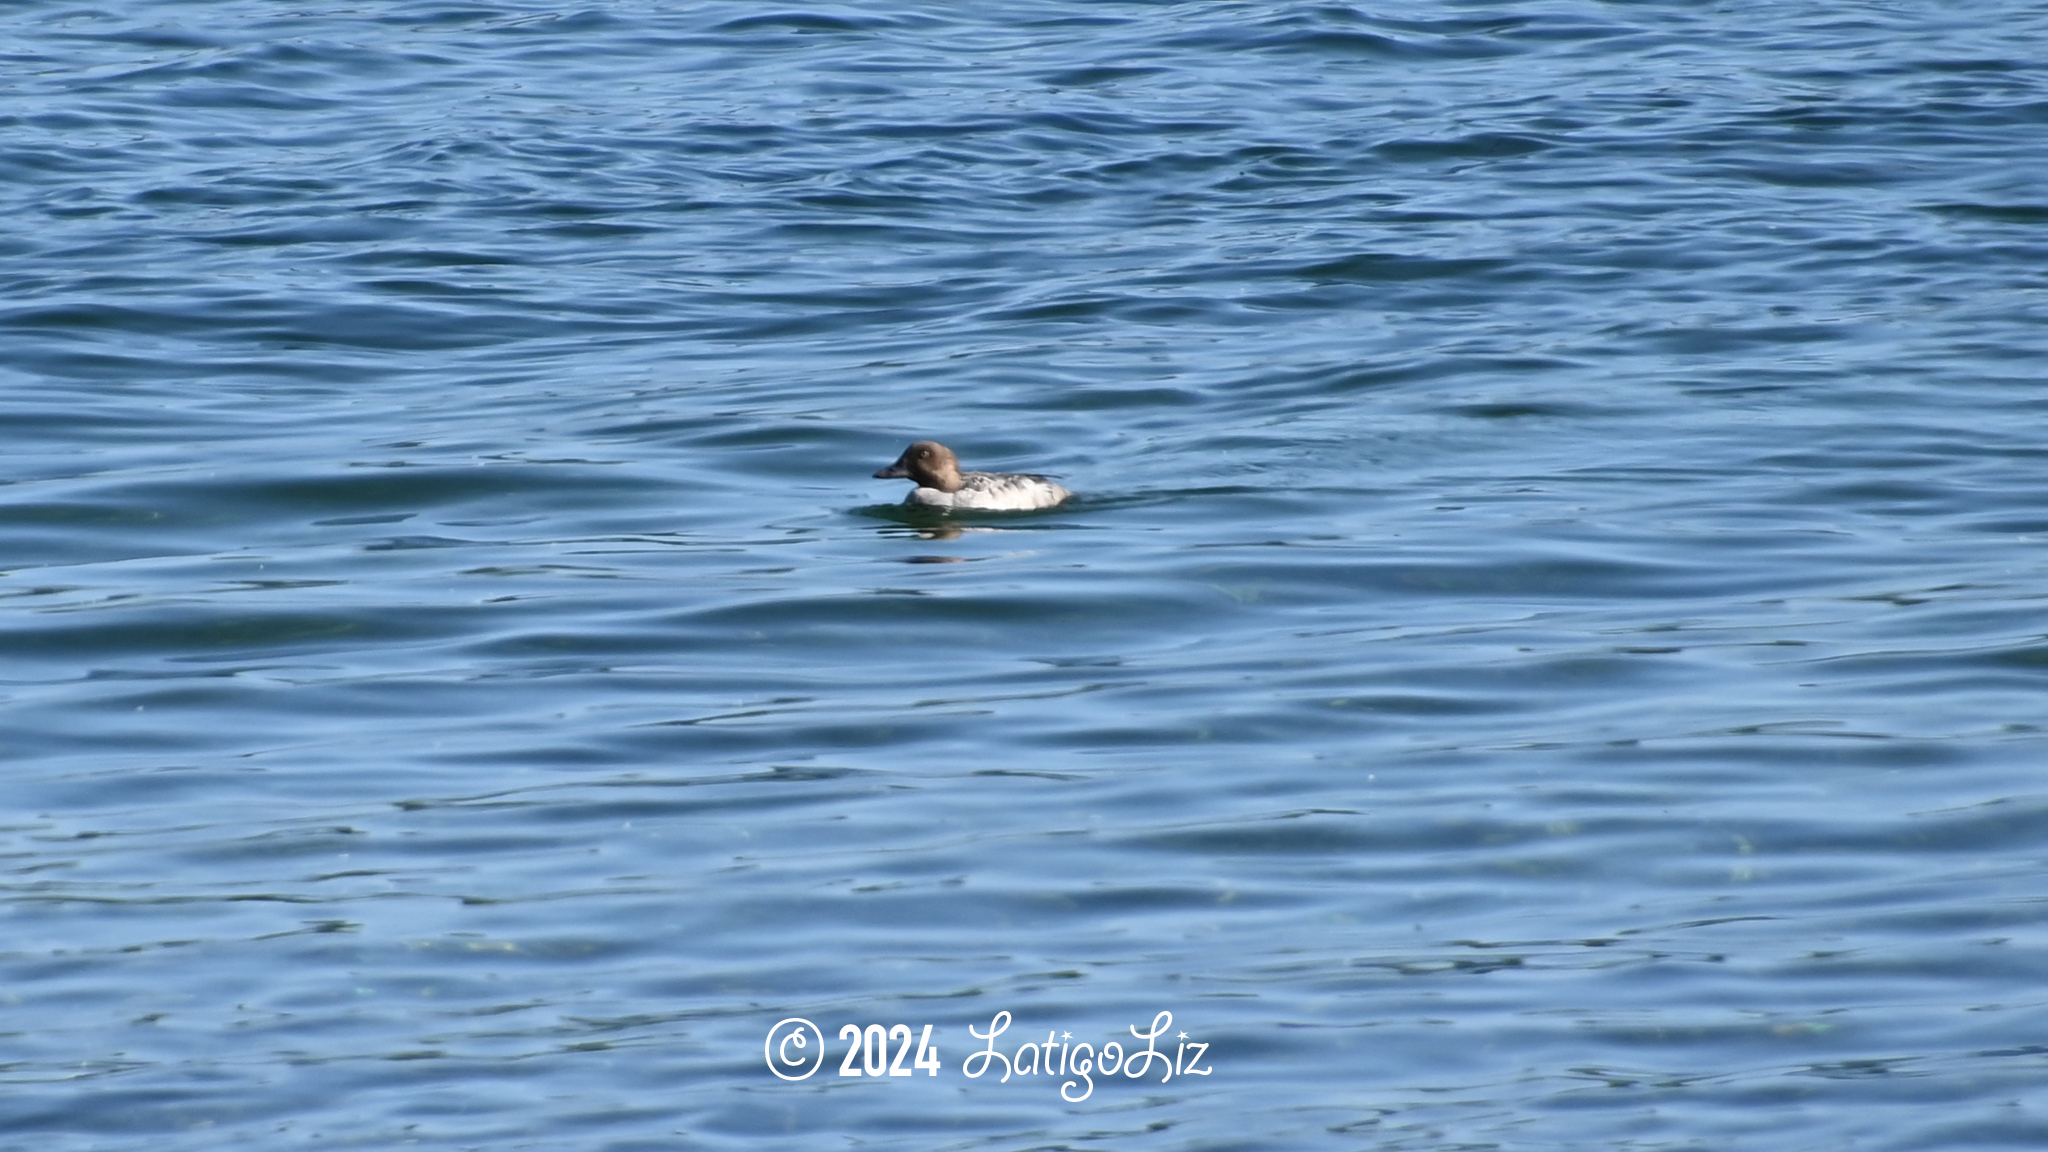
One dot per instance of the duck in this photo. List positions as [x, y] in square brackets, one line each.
[941, 483]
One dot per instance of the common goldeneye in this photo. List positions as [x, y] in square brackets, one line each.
[941, 483]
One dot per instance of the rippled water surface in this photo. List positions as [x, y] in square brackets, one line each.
[1549, 652]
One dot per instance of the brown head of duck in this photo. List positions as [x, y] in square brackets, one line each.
[928, 462]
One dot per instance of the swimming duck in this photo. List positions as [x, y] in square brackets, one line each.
[941, 483]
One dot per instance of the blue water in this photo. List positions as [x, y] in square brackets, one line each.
[1549, 651]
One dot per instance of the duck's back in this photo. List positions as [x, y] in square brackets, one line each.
[995, 492]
